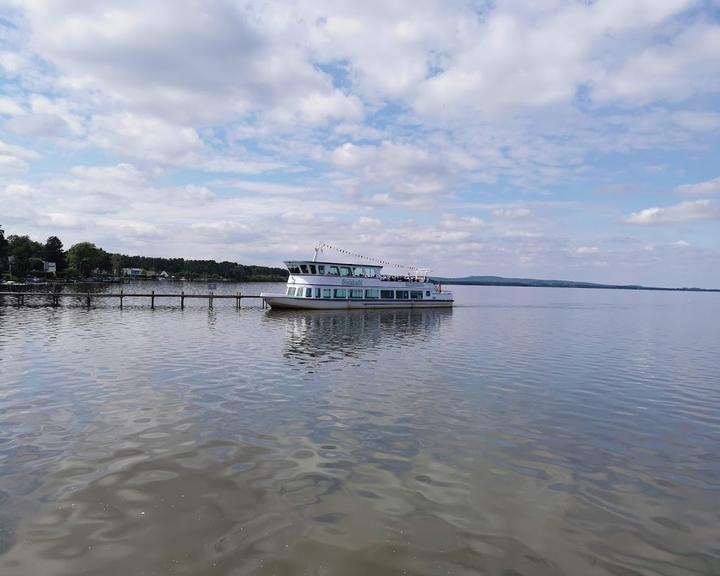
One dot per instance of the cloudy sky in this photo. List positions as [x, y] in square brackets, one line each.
[543, 138]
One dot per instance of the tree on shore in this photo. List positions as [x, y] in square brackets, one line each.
[3, 250]
[85, 257]
[116, 261]
[34, 264]
[53, 252]
[21, 249]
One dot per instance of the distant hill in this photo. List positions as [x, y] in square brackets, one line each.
[501, 281]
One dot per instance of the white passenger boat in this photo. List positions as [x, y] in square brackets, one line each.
[316, 285]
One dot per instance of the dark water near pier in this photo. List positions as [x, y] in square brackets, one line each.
[527, 431]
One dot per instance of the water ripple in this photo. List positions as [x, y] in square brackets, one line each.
[527, 431]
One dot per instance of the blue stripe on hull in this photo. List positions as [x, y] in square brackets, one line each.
[288, 302]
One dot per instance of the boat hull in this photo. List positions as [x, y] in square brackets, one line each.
[293, 303]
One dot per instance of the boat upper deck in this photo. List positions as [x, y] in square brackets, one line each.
[348, 270]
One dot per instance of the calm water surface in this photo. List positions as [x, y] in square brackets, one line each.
[527, 431]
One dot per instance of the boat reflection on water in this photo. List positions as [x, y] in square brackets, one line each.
[328, 335]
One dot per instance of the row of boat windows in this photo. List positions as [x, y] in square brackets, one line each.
[357, 293]
[322, 269]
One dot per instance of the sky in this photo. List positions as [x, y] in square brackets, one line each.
[573, 140]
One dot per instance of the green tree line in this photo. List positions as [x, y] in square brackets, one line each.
[21, 256]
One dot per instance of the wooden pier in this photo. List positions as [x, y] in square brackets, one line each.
[53, 298]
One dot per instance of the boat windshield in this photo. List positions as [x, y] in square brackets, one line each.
[329, 269]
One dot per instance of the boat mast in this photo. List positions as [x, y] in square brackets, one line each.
[318, 248]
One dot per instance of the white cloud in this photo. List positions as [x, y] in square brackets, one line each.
[701, 188]
[317, 107]
[366, 223]
[454, 222]
[184, 63]
[584, 250]
[10, 107]
[137, 229]
[119, 174]
[673, 70]
[519, 212]
[12, 62]
[362, 36]
[540, 54]
[697, 121]
[684, 212]
[399, 173]
[9, 163]
[146, 138]
[61, 109]
[34, 125]
[60, 220]
[233, 165]
[14, 158]
[263, 187]
[17, 192]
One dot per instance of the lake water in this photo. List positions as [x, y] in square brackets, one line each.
[528, 431]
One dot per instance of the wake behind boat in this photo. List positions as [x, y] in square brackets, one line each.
[316, 285]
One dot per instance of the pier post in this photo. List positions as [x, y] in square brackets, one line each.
[152, 300]
[182, 300]
[121, 298]
[239, 295]
[88, 299]
[210, 298]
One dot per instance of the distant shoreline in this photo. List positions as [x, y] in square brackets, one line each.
[529, 283]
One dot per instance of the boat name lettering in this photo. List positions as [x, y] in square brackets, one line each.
[348, 282]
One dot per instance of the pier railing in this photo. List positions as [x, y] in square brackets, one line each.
[53, 298]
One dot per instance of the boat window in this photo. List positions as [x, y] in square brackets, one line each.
[427, 293]
[321, 268]
[387, 294]
[358, 271]
[340, 293]
[293, 269]
[312, 269]
[356, 293]
[327, 293]
[303, 268]
[401, 294]
[372, 293]
[369, 272]
[317, 292]
[308, 292]
[291, 291]
[344, 271]
[333, 271]
[416, 295]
